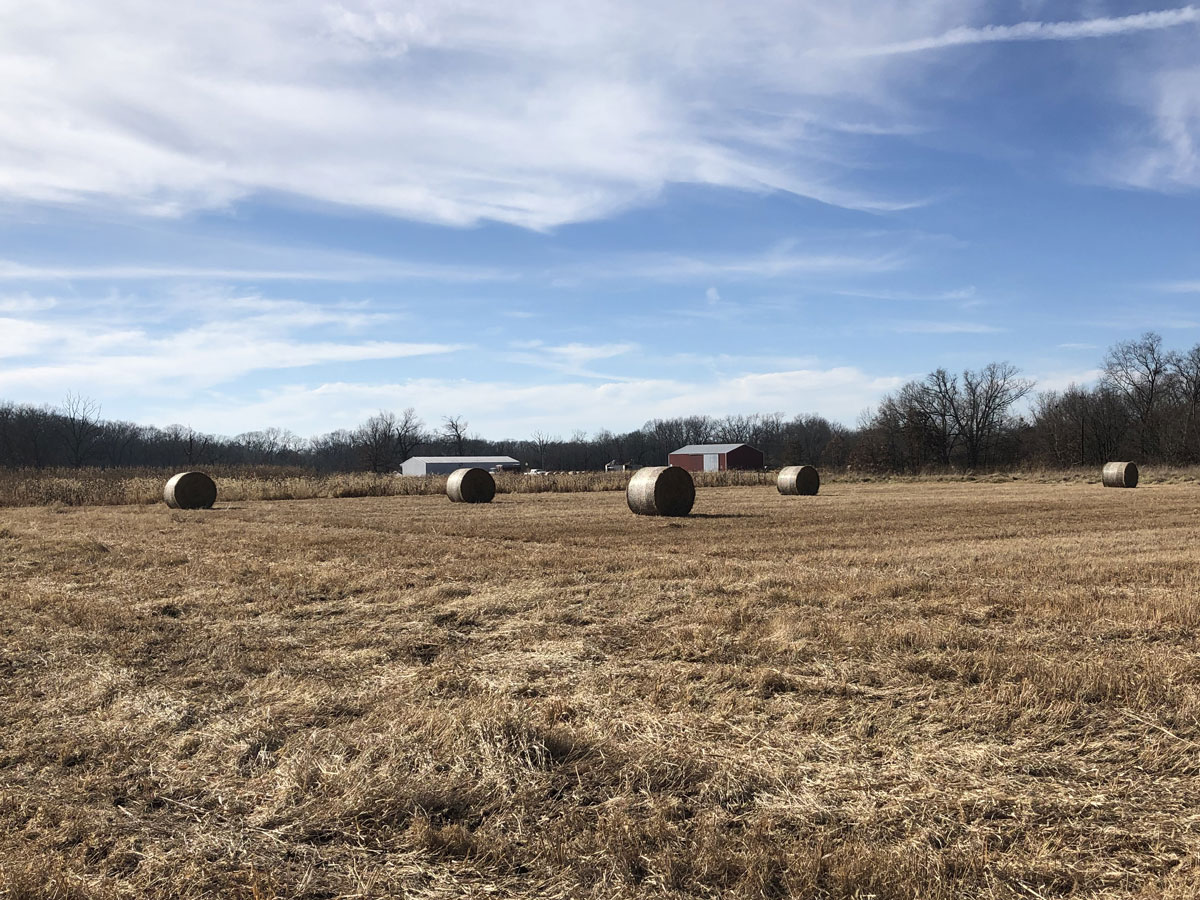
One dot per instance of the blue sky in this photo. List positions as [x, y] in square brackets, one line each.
[564, 216]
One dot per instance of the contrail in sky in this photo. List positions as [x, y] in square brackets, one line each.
[1032, 31]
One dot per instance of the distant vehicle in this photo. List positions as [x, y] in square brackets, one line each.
[537, 472]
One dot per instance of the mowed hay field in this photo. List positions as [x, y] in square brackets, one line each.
[889, 691]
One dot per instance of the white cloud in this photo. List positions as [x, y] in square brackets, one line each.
[192, 360]
[24, 338]
[1180, 287]
[782, 260]
[1060, 380]
[712, 295]
[25, 303]
[186, 340]
[536, 114]
[959, 294]
[333, 269]
[507, 409]
[947, 328]
[1031, 31]
[570, 359]
[775, 263]
[1163, 152]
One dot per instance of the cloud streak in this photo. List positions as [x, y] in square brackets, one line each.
[346, 272]
[1032, 31]
[189, 340]
[947, 328]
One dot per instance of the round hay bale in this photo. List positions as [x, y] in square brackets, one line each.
[190, 490]
[1120, 474]
[798, 480]
[661, 491]
[470, 486]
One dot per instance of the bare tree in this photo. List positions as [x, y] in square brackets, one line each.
[808, 436]
[376, 441]
[612, 446]
[117, 441]
[697, 429]
[334, 452]
[981, 407]
[189, 446]
[454, 431]
[734, 429]
[666, 435]
[542, 442]
[931, 404]
[1138, 370]
[79, 423]
[583, 448]
[409, 434]
[1185, 369]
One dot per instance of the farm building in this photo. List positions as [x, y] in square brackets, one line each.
[717, 457]
[442, 465]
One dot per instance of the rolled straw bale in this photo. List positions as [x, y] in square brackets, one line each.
[190, 490]
[661, 491]
[1120, 474]
[798, 480]
[471, 486]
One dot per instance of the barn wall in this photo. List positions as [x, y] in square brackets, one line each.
[693, 462]
[744, 458]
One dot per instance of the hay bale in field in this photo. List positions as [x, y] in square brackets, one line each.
[798, 480]
[661, 491]
[470, 486]
[190, 490]
[1120, 474]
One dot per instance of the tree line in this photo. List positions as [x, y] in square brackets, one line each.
[1144, 406]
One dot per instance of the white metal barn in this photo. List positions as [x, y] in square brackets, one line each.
[443, 465]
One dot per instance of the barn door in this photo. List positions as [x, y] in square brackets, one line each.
[712, 462]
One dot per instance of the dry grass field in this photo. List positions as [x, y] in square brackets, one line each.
[943, 690]
[117, 487]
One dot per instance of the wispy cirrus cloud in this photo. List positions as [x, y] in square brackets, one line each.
[187, 340]
[570, 359]
[947, 328]
[555, 113]
[25, 303]
[195, 358]
[966, 294]
[343, 271]
[1083, 29]
[770, 264]
[1179, 287]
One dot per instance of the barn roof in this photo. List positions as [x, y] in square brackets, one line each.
[462, 459]
[709, 448]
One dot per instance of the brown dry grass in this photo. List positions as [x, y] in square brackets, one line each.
[888, 691]
[118, 487]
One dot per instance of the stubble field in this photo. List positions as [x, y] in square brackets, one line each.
[892, 691]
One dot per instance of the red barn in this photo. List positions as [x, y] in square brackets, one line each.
[717, 457]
